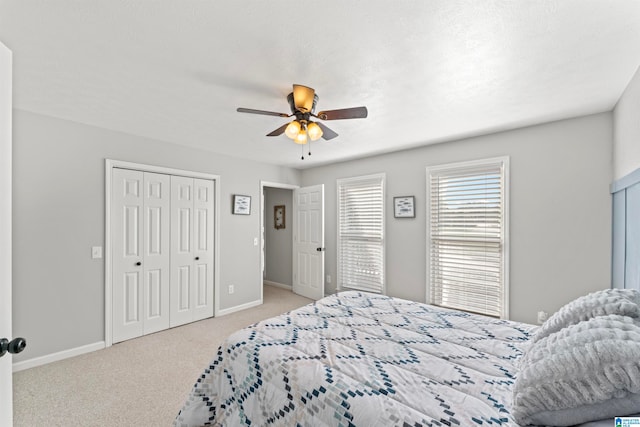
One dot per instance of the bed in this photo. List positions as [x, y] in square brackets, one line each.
[359, 359]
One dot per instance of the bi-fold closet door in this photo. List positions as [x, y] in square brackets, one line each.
[162, 246]
[191, 250]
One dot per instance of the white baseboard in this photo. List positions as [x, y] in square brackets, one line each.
[54, 357]
[240, 307]
[277, 285]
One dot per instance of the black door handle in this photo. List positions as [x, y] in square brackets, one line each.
[14, 346]
[319, 249]
[138, 263]
[197, 258]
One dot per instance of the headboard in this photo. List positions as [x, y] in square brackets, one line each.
[625, 266]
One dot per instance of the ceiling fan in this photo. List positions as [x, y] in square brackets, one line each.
[302, 130]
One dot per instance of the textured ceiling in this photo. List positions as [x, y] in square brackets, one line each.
[428, 70]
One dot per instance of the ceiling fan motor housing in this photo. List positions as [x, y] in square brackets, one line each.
[295, 111]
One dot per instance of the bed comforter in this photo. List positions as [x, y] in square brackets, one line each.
[359, 359]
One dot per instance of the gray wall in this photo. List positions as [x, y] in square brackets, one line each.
[278, 243]
[560, 210]
[58, 208]
[560, 217]
[626, 147]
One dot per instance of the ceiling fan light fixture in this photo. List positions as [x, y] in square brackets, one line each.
[302, 102]
[315, 132]
[301, 138]
[293, 130]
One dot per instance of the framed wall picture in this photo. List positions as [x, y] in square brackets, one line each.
[279, 218]
[404, 207]
[241, 204]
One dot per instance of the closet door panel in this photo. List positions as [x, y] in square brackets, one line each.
[182, 277]
[127, 229]
[157, 203]
[203, 248]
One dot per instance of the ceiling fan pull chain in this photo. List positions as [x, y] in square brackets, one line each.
[302, 146]
[309, 146]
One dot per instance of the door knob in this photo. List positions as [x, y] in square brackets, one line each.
[319, 249]
[197, 258]
[14, 346]
[138, 263]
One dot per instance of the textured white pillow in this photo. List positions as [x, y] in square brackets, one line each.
[624, 302]
[586, 371]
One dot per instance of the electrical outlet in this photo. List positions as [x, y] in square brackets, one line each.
[255, 241]
[542, 317]
[328, 278]
[96, 252]
[231, 289]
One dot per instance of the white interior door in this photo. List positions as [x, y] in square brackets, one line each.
[127, 229]
[192, 205]
[6, 387]
[140, 245]
[203, 207]
[181, 250]
[156, 252]
[308, 241]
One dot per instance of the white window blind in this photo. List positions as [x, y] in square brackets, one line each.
[467, 225]
[361, 233]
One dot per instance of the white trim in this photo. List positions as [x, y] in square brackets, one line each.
[383, 177]
[54, 357]
[505, 246]
[469, 163]
[160, 169]
[277, 285]
[278, 185]
[108, 292]
[109, 166]
[240, 307]
[269, 184]
[6, 166]
[504, 160]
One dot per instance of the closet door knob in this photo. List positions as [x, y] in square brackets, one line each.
[138, 263]
[197, 258]
[14, 346]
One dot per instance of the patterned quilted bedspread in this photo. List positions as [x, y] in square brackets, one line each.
[358, 359]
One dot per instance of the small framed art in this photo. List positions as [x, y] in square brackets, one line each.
[241, 204]
[404, 207]
[279, 218]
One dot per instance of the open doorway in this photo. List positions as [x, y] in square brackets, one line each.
[305, 221]
[277, 243]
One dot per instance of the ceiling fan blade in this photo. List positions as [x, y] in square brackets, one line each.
[344, 113]
[327, 133]
[266, 113]
[279, 131]
[303, 98]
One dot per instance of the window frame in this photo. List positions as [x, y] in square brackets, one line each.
[340, 181]
[503, 162]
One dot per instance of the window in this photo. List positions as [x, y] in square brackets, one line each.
[361, 233]
[467, 236]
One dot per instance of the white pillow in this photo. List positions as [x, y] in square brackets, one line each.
[587, 371]
[624, 302]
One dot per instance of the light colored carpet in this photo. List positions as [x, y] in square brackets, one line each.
[140, 382]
